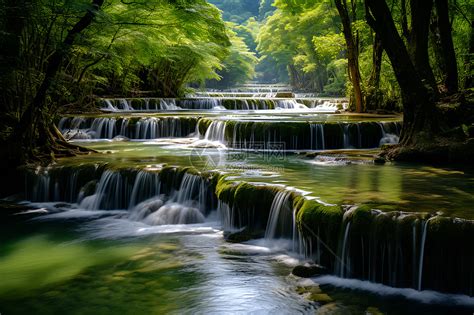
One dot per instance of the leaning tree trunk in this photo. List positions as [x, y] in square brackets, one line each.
[35, 128]
[450, 75]
[352, 54]
[418, 108]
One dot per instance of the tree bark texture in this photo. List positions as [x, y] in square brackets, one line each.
[352, 54]
[418, 41]
[450, 79]
[418, 107]
[372, 97]
[34, 126]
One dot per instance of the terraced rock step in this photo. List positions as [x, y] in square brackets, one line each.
[288, 135]
[395, 248]
[222, 103]
[300, 135]
[129, 127]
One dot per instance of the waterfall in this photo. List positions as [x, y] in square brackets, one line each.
[279, 212]
[424, 230]
[289, 104]
[109, 128]
[146, 185]
[109, 106]
[103, 128]
[359, 136]
[297, 238]
[124, 105]
[205, 103]
[109, 193]
[147, 128]
[317, 137]
[143, 104]
[327, 107]
[346, 136]
[185, 206]
[388, 138]
[343, 258]
[175, 214]
[190, 191]
[216, 131]
[226, 215]
[169, 104]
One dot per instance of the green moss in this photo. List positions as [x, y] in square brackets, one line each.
[298, 201]
[203, 125]
[444, 228]
[225, 190]
[384, 227]
[361, 219]
[251, 196]
[138, 103]
[153, 103]
[89, 188]
[314, 215]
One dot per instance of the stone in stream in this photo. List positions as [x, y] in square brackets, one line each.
[308, 271]
[379, 160]
[244, 235]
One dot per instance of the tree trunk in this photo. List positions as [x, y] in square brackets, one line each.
[418, 42]
[15, 15]
[450, 74]
[372, 99]
[352, 54]
[469, 59]
[34, 126]
[418, 108]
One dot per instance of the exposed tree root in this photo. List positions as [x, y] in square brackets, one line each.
[436, 151]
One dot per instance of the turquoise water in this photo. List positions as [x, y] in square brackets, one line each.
[59, 258]
[101, 263]
[346, 178]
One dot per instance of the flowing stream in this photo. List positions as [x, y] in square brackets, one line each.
[141, 226]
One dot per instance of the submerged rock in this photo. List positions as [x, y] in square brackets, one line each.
[175, 214]
[379, 160]
[308, 271]
[244, 236]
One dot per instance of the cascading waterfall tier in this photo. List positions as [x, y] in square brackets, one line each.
[300, 135]
[133, 128]
[168, 196]
[396, 248]
[221, 103]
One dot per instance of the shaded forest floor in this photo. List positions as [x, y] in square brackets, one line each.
[455, 141]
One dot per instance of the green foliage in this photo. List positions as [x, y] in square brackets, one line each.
[237, 11]
[304, 37]
[158, 46]
[155, 45]
[239, 66]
